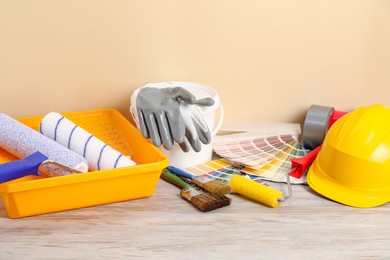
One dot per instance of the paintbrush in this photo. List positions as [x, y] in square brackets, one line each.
[200, 199]
[206, 182]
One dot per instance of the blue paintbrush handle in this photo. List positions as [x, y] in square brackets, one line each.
[179, 172]
[20, 168]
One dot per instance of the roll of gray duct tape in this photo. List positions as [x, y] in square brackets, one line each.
[316, 125]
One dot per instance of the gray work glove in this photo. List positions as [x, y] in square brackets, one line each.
[160, 119]
[196, 128]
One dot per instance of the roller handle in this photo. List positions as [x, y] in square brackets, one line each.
[179, 172]
[20, 168]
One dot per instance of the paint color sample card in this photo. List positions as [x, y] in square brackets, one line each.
[216, 169]
[265, 152]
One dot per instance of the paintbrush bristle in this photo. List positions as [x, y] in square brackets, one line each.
[214, 187]
[203, 200]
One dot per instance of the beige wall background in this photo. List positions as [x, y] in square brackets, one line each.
[268, 60]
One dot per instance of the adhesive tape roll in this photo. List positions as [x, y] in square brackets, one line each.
[316, 125]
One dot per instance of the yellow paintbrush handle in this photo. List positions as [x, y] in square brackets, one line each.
[255, 191]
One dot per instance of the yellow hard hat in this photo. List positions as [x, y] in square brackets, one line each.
[353, 165]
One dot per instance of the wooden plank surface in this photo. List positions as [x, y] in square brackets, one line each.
[165, 226]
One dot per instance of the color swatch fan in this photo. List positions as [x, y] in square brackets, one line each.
[265, 154]
[216, 169]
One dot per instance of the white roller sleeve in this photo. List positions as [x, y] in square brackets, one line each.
[100, 156]
[22, 141]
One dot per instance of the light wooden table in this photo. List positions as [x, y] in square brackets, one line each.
[164, 226]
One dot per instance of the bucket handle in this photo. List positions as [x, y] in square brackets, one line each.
[219, 125]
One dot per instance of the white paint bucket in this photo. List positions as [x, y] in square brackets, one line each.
[214, 120]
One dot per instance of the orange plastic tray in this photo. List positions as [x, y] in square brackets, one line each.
[34, 195]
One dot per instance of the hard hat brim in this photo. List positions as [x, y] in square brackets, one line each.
[324, 185]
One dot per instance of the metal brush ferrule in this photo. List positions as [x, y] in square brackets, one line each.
[189, 193]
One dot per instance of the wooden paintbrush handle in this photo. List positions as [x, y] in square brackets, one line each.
[179, 172]
[172, 178]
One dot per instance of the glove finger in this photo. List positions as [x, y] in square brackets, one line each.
[203, 133]
[191, 134]
[165, 133]
[184, 95]
[202, 129]
[142, 125]
[197, 122]
[177, 126]
[192, 137]
[185, 145]
[153, 129]
[205, 102]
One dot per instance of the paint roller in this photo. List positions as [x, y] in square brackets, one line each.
[317, 122]
[28, 166]
[259, 192]
[100, 156]
[22, 141]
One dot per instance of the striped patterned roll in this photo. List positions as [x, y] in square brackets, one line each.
[22, 141]
[100, 156]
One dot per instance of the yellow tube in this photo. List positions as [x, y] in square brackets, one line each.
[255, 191]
